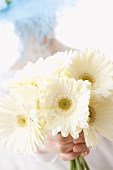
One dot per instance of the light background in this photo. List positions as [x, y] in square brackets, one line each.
[89, 25]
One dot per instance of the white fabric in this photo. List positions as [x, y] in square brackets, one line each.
[100, 159]
[11, 161]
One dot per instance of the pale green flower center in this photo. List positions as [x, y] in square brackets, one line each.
[87, 76]
[92, 115]
[22, 120]
[65, 104]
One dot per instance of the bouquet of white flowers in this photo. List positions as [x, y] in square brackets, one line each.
[69, 92]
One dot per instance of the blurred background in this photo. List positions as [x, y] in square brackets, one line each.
[90, 24]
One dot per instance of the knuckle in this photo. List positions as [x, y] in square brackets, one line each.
[76, 148]
[80, 148]
[64, 158]
[79, 140]
[73, 155]
[68, 157]
[61, 149]
[61, 141]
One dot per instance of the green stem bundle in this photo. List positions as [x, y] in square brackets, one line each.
[79, 164]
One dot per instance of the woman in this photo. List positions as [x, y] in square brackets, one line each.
[34, 23]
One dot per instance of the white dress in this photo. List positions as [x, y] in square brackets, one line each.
[102, 157]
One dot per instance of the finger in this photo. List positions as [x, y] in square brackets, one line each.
[64, 148]
[83, 154]
[50, 137]
[81, 134]
[80, 139]
[69, 156]
[80, 148]
[58, 147]
[63, 140]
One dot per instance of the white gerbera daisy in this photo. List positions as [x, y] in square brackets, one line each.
[42, 68]
[93, 66]
[56, 63]
[20, 128]
[28, 75]
[66, 105]
[100, 121]
[28, 93]
[31, 94]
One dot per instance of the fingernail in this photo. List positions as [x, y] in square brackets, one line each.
[84, 154]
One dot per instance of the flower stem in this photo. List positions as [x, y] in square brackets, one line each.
[82, 160]
[86, 165]
[71, 164]
[78, 164]
[74, 165]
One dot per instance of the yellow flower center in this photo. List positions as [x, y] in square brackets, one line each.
[65, 104]
[87, 76]
[92, 115]
[33, 83]
[22, 120]
[38, 104]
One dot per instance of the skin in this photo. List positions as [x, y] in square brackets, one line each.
[67, 147]
[54, 47]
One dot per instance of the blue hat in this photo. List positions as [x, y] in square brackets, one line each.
[33, 19]
[36, 14]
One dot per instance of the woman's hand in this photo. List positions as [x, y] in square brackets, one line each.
[67, 147]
